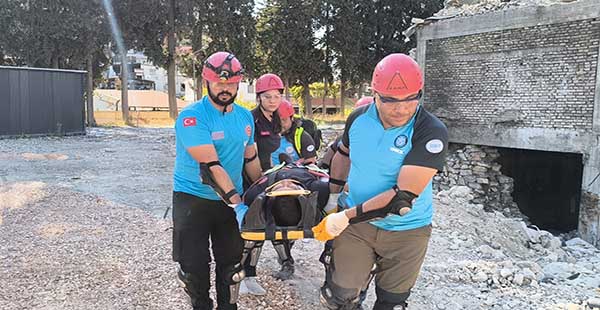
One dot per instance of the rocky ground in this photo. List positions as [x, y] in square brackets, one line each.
[474, 7]
[81, 227]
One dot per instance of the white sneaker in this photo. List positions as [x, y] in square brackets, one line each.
[250, 286]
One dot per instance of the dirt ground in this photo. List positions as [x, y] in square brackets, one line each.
[81, 227]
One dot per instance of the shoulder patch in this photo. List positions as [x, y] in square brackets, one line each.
[434, 146]
[310, 148]
[189, 121]
[248, 130]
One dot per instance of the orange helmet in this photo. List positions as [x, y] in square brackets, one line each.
[397, 75]
[267, 82]
[363, 101]
[285, 109]
[222, 67]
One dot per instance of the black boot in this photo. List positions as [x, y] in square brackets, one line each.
[286, 272]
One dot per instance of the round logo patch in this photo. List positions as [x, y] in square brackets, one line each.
[289, 150]
[310, 148]
[401, 141]
[248, 130]
[434, 146]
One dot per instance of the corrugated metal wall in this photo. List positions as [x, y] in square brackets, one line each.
[41, 101]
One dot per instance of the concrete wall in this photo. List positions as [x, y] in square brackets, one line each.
[522, 78]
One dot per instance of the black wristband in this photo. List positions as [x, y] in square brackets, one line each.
[342, 152]
[359, 210]
[337, 182]
[248, 160]
[213, 163]
[230, 194]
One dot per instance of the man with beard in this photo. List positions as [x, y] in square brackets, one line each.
[218, 134]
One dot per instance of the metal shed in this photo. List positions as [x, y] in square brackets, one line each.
[35, 101]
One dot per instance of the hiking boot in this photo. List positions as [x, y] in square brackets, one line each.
[286, 272]
[250, 286]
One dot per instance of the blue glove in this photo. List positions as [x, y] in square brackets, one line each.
[344, 201]
[240, 212]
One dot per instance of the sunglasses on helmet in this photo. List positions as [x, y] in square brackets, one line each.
[224, 70]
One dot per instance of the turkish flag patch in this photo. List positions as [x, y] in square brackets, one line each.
[189, 121]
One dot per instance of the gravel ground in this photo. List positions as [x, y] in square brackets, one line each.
[81, 227]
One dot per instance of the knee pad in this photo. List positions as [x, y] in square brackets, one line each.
[252, 249]
[338, 298]
[390, 301]
[255, 254]
[283, 250]
[326, 259]
[235, 274]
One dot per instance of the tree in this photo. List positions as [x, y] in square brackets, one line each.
[393, 17]
[211, 26]
[365, 31]
[350, 40]
[145, 28]
[287, 43]
[65, 34]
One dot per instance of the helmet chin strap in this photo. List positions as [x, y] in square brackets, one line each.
[220, 102]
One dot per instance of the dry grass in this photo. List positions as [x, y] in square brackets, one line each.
[138, 118]
[161, 118]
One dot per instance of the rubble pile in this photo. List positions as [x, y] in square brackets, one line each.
[485, 260]
[477, 168]
[473, 7]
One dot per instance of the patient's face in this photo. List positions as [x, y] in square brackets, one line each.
[286, 184]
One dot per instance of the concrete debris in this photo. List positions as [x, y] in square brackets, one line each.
[474, 7]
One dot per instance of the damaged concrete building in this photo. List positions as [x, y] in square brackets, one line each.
[520, 92]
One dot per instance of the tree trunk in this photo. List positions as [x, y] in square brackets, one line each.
[361, 90]
[124, 87]
[307, 102]
[342, 91]
[325, 88]
[55, 62]
[197, 48]
[287, 90]
[171, 60]
[91, 122]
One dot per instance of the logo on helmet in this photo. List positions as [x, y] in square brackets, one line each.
[401, 141]
[273, 83]
[397, 82]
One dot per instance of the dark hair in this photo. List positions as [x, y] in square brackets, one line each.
[286, 210]
[275, 119]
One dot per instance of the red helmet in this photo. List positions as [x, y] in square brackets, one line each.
[222, 67]
[397, 75]
[285, 109]
[267, 82]
[363, 101]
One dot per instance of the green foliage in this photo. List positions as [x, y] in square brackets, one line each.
[302, 41]
[287, 43]
[57, 34]
[296, 91]
[246, 104]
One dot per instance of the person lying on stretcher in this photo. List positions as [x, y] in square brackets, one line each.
[289, 199]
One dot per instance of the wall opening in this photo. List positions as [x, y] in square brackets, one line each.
[547, 186]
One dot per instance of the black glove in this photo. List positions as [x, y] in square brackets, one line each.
[399, 205]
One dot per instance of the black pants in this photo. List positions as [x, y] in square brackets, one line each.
[195, 220]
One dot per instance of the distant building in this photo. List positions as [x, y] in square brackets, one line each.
[146, 76]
